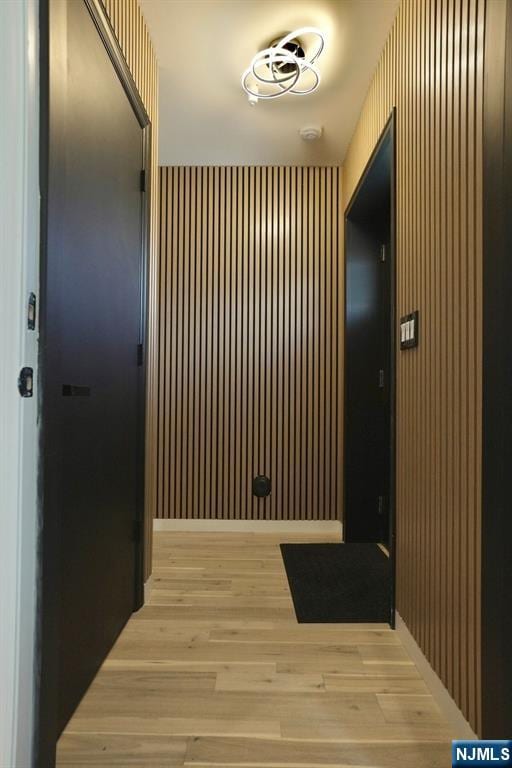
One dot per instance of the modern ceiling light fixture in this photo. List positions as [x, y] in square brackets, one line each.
[286, 66]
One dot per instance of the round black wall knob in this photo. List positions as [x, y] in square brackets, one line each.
[261, 486]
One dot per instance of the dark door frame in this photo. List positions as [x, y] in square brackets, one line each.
[496, 541]
[45, 736]
[389, 130]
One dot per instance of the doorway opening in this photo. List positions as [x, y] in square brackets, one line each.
[369, 452]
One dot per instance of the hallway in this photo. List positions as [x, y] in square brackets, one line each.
[215, 670]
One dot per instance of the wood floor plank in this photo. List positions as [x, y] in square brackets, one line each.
[374, 684]
[139, 632]
[246, 667]
[112, 683]
[409, 708]
[262, 682]
[361, 708]
[215, 613]
[223, 572]
[207, 553]
[383, 653]
[313, 634]
[179, 584]
[266, 752]
[222, 600]
[177, 726]
[161, 615]
[246, 589]
[159, 647]
[120, 750]
[334, 730]
[343, 665]
[219, 564]
[396, 668]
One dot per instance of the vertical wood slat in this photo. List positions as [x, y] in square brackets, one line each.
[247, 263]
[133, 37]
[432, 71]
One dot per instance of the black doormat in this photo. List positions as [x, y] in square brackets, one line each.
[338, 582]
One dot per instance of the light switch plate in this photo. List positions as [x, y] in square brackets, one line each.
[409, 330]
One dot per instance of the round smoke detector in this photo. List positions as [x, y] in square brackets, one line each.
[311, 132]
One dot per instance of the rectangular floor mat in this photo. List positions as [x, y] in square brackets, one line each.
[338, 582]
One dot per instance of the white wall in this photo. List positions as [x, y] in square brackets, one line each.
[19, 260]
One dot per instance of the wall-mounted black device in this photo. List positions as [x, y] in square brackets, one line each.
[409, 330]
[261, 486]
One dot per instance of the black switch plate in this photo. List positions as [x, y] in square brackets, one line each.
[409, 330]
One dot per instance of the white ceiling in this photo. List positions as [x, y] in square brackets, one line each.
[204, 45]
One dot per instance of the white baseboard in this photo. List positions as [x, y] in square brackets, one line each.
[250, 526]
[461, 728]
[147, 589]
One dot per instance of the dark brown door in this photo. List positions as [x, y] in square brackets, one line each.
[91, 329]
[369, 374]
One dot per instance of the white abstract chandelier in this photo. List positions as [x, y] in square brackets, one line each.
[285, 66]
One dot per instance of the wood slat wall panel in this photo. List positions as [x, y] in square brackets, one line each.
[249, 373]
[432, 71]
[131, 31]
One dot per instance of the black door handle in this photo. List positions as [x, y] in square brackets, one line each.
[75, 390]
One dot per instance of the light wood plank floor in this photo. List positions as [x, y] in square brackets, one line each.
[216, 671]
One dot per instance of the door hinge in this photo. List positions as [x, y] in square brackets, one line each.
[381, 505]
[381, 378]
[140, 354]
[383, 253]
[31, 311]
[143, 181]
